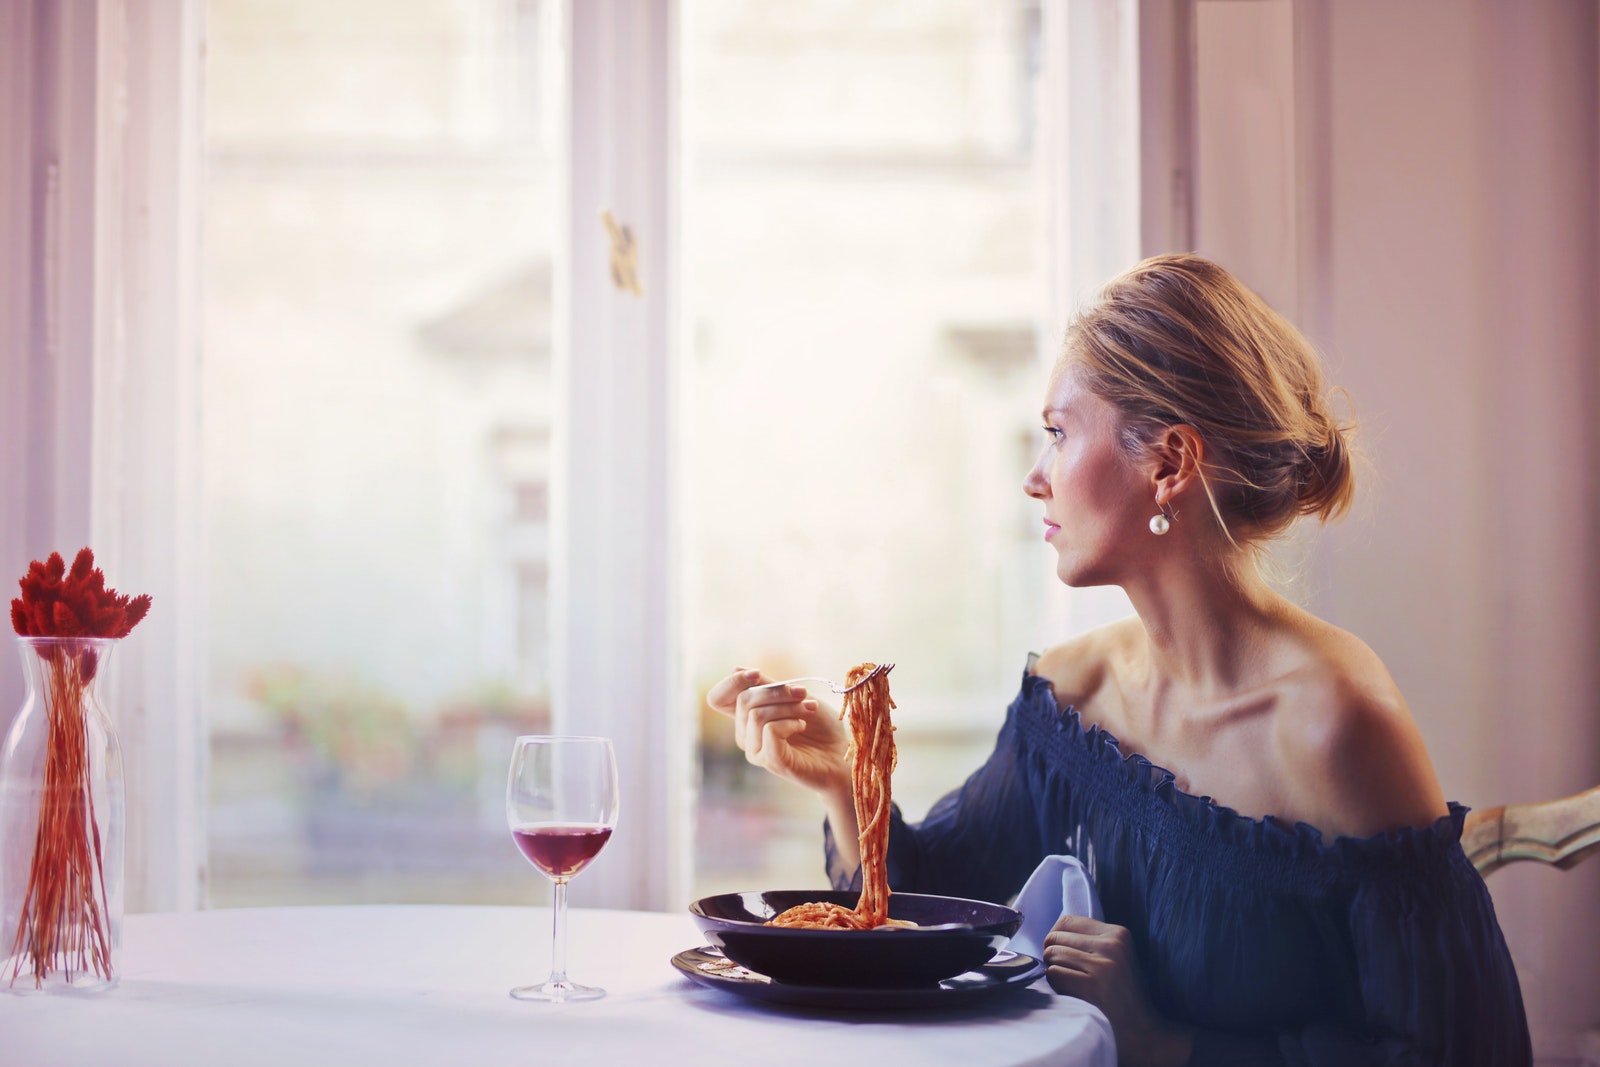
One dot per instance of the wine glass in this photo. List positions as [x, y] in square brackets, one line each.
[561, 805]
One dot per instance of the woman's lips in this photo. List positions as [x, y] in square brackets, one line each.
[1050, 529]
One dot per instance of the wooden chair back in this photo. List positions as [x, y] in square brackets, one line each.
[1561, 832]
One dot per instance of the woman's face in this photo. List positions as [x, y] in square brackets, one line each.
[1097, 501]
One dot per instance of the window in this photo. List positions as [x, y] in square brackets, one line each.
[426, 528]
[379, 229]
[864, 243]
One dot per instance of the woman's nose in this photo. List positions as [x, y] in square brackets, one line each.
[1036, 484]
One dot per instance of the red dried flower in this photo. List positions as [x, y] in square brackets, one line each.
[56, 602]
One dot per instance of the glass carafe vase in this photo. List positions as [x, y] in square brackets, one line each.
[62, 825]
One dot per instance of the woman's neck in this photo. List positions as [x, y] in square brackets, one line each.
[1208, 622]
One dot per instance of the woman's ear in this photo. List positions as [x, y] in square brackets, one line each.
[1180, 455]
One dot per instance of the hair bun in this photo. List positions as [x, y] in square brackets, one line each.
[1327, 482]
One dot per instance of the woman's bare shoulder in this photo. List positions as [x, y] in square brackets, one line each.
[1078, 669]
[1349, 744]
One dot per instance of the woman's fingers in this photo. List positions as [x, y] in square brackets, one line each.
[762, 695]
[1081, 925]
[780, 729]
[775, 734]
[1073, 960]
[724, 696]
[758, 706]
[1070, 983]
[1079, 953]
[751, 722]
[1081, 933]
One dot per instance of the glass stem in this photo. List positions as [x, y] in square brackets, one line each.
[558, 941]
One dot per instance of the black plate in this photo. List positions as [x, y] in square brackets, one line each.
[1007, 970]
[953, 936]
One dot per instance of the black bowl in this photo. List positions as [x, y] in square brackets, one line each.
[952, 936]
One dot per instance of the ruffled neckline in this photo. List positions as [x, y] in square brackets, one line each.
[1217, 823]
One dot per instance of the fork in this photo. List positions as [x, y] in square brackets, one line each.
[882, 668]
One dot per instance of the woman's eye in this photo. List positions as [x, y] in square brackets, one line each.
[1053, 433]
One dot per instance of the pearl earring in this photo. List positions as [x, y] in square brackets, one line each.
[1159, 523]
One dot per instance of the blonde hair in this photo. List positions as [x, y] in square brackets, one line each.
[1178, 339]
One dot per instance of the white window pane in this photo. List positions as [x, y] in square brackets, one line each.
[865, 244]
[378, 222]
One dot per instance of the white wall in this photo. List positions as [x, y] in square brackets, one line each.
[1444, 233]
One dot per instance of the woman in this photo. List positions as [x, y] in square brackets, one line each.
[1320, 910]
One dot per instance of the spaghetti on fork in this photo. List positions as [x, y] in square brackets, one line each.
[872, 759]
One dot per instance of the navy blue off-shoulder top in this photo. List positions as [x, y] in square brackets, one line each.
[1279, 947]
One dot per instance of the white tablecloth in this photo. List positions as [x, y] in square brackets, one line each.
[286, 987]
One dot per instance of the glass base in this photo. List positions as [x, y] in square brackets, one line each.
[80, 983]
[558, 992]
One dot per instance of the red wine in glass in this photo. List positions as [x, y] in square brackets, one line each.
[561, 805]
[561, 851]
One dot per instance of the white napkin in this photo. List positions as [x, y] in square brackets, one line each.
[1058, 886]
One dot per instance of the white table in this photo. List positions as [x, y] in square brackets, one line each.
[398, 986]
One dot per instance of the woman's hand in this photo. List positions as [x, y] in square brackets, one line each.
[785, 733]
[1095, 961]
[797, 739]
